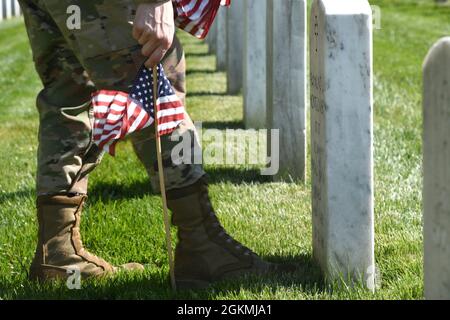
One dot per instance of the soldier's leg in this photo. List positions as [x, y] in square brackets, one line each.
[63, 105]
[65, 153]
[176, 175]
[205, 252]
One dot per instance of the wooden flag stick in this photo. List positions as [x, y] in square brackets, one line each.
[162, 185]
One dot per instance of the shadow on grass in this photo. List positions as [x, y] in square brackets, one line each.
[307, 277]
[206, 93]
[156, 285]
[221, 125]
[235, 176]
[198, 54]
[110, 191]
[200, 71]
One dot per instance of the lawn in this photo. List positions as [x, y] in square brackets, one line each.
[123, 220]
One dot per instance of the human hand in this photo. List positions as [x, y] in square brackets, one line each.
[154, 29]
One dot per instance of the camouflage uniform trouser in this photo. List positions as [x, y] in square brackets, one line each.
[101, 54]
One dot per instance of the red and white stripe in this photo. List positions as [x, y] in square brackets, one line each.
[170, 113]
[197, 16]
[116, 116]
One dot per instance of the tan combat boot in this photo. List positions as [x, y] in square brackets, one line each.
[205, 252]
[59, 249]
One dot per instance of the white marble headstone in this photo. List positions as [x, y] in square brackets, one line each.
[255, 64]
[342, 139]
[235, 46]
[436, 170]
[8, 9]
[221, 39]
[211, 38]
[286, 84]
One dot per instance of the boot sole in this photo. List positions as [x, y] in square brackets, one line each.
[193, 284]
[48, 273]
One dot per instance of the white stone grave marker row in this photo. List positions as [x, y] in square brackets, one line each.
[274, 61]
[9, 9]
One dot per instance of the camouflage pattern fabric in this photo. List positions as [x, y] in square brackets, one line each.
[72, 64]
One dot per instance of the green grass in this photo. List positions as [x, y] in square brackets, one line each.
[123, 220]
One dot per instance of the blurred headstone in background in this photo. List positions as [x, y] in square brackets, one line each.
[255, 64]
[235, 46]
[286, 84]
[436, 171]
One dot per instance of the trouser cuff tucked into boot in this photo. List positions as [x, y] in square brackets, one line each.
[60, 251]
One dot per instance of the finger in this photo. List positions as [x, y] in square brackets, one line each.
[137, 33]
[167, 43]
[149, 48]
[145, 37]
[138, 30]
[155, 58]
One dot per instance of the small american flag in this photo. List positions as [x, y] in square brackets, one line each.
[197, 16]
[117, 114]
